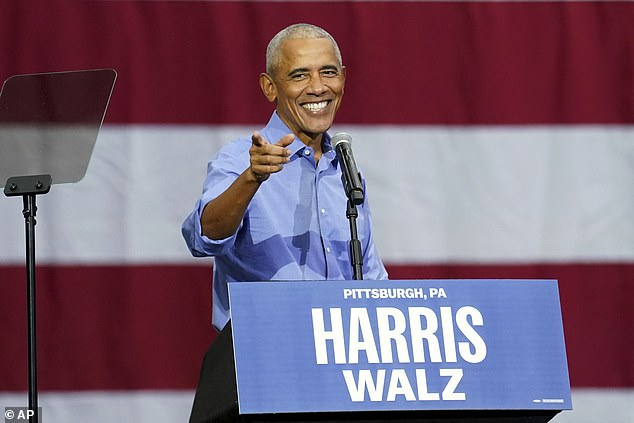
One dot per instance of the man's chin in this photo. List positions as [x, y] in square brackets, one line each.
[316, 133]
[318, 126]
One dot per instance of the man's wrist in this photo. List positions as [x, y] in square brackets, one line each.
[256, 177]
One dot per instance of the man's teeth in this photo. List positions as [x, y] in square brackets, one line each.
[315, 107]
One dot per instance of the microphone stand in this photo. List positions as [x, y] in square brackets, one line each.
[356, 257]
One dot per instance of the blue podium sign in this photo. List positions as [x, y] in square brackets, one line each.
[398, 345]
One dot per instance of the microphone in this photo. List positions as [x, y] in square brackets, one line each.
[351, 177]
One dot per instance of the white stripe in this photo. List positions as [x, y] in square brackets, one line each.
[438, 194]
[108, 406]
[500, 193]
[590, 406]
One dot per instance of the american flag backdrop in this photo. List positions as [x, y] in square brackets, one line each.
[496, 138]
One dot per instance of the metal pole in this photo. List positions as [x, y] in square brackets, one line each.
[29, 221]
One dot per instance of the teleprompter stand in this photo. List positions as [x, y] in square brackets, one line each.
[28, 187]
[49, 123]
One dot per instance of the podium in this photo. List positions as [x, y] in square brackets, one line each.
[380, 351]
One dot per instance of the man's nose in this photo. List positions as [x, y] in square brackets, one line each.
[316, 85]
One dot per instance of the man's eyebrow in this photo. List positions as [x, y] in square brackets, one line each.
[305, 70]
[297, 70]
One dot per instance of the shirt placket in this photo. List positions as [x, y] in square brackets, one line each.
[324, 214]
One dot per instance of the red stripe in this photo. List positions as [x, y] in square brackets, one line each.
[146, 327]
[408, 63]
[132, 327]
[596, 303]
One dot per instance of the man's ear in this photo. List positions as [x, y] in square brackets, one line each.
[268, 87]
[343, 75]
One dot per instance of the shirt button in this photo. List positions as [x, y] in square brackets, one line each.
[323, 211]
[306, 152]
[328, 249]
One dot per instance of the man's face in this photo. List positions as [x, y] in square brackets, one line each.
[307, 85]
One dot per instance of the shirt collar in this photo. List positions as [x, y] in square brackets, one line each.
[276, 129]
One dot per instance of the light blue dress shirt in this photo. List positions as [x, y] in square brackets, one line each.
[295, 227]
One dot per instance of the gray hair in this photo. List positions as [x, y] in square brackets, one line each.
[301, 31]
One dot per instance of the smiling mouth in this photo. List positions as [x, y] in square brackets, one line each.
[316, 107]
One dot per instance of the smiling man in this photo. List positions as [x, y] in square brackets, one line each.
[273, 206]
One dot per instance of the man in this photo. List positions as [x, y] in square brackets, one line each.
[273, 206]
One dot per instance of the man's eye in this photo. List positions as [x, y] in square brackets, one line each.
[298, 76]
[330, 73]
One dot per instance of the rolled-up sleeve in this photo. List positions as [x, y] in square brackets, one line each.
[199, 244]
[222, 170]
